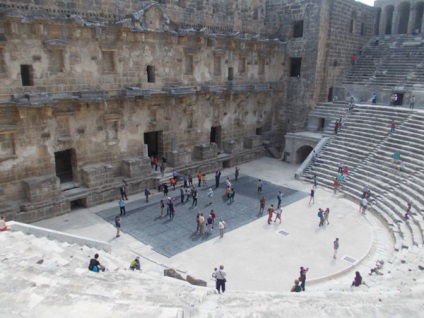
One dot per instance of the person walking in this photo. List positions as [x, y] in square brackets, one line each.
[217, 177]
[123, 191]
[210, 195]
[171, 210]
[220, 276]
[279, 198]
[156, 162]
[312, 196]
[204, 180]
[326, 214]
[185, 180]
[336, 127]
[336, 184]
[195, 196]
[213, 215]
[201, 224]
[260, 184]
[262, 202]
[221, 226]
[209, 224]
[315, 181]
[182, 193]
[162, 169]
[302, 277]
[321, 217]
[122, 207]
[278, 213]
[165, 189]
[190, 180]
[162, 207]
[199, 179]
[335, 247]
[340, 167]
[270, 213]
[232, 194]
[118, 225]
[392, 126]
[412, 102]
[236, 173]
[363, 205]
[146, 194]
[188, 194]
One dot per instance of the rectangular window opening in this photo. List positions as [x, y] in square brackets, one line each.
[189, 64]
[242, 65]
[27, 75]
[230, 73]
[295, 66]
[217, 66]
[298, 29]
[150, 74]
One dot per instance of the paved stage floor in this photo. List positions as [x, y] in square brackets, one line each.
[256, 256]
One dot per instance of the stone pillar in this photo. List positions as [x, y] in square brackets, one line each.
[412, 17]
[395, 21]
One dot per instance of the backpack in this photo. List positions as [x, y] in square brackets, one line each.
[319, 214]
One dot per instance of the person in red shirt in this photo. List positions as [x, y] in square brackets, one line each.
[270, 213]
[336, 185]
[199, 179]
[262, 205]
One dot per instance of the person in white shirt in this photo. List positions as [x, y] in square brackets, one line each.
[220, 276]
[221, 226]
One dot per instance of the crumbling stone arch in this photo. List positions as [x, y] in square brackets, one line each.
[302, 153]
[403, 13]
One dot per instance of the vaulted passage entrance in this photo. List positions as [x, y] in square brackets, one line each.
[302, 153]
[153, 140]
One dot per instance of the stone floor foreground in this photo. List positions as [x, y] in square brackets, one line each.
[257, 256]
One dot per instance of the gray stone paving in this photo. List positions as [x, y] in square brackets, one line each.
[170, 237]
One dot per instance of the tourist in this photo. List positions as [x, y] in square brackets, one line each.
[175, 175]
[165, 189]
[204, 180]
[396, 156]
[123, 191]
[172, 182]
[326, 215]
[270, 213]
[278, 213]
[262, 202]
[213, 215]
[209, 224]
[312, 196]
[232, 194]
[220, 276]
[185, 180]
[3, 225]
[315, 181]
[296, 287]
[162, 169]
[321, 217]
[354, 59]
[194, 195]
[118, 225]
[408, 208]
[364, 191]
[227, 193]
[168, 201]
[357, 281]
[228, 182]
[402, 165]
[302, 277]
[188, 194]
[314, 156]
[121, 204]
[279, 198]
[335, 185]
[363, 205]
[392, 126]
[147, 193]
[237, 172]
[217, 177]
[182, 193]
[260, 184]
[210, 195]
[199, 179]
[162, 207]
[135, 264]
[412, 102]
[345, 170]
[95, 265]
[197, 223]
[155, 163]
[336, 127]
[201, 224]
[374, 99]
[190, 180]
[221, 226]
[171, 209]
[378, 267]
[335, 247]
[340, 167]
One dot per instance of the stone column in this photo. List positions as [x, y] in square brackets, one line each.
[412, 17]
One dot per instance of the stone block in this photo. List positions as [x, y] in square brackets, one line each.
[205, 152]
[135, 167]
[42, 189]
[170, 272]
[232, 146]
[97, 174]
[252, 142]
[195, 281]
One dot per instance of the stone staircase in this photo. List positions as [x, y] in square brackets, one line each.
[330, 112]
[398, 60]
[366, 146]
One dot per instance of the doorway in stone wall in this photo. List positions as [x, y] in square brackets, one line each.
[302, 153]
[216, 135]
[65, 162]
[399, 101]
[330, 94]
[153, 140]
